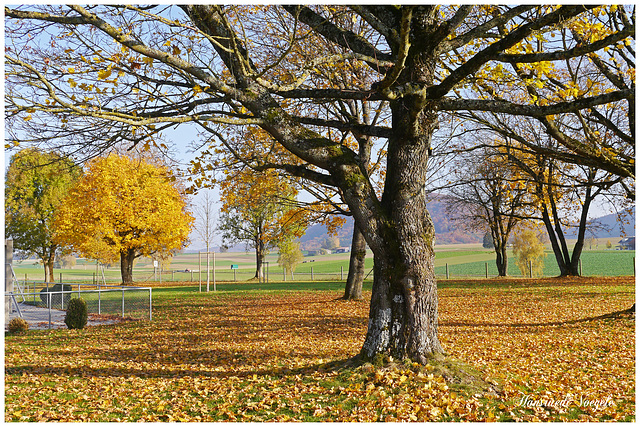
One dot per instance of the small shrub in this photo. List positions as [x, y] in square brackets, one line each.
[18, 326]
[76, 317]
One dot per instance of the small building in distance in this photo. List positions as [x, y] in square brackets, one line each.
[627, 244]
[342, 250]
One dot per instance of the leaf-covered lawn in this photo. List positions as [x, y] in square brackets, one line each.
[258, 356]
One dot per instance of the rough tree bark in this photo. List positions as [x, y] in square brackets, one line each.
[48, 262]
[260, 254]
[403, 318]
[126, 265]
[353, 287]
[502, 259]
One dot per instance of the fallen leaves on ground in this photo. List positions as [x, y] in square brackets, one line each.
[274, 356]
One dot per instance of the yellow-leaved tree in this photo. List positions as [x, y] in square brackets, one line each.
[123, 208]
[528, 250]
[259, 209]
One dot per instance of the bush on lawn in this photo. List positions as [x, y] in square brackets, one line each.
[76, 317]
[18, 326]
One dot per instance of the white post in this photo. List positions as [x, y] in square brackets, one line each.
[213, 268]
[207, 270]
[49, 304]
[200, 270]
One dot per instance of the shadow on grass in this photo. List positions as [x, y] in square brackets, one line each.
[628, 313]
[144, 372]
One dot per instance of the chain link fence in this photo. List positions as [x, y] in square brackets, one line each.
[107, 300]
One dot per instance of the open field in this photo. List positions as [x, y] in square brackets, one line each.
[274, 354]
[462, 260]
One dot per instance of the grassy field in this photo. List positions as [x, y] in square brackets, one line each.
[274, 352]
[594, 263]
[462, 260]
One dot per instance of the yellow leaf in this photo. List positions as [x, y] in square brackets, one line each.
[103, 74]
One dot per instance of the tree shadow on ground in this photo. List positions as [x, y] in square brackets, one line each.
[621, 314]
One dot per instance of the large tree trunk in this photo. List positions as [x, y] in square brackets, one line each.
[403, 316]
[353, 288]
[126, 265]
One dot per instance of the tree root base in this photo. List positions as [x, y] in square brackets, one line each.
[459, 376]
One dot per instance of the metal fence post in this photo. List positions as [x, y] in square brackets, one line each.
[312, 274]
[341, 273]
[486, 270]
[150, 311]
[446, 269]
[49, 304]
[123, 302]
[99, 300]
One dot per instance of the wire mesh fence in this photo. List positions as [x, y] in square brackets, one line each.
[596, 263]
[112, 300]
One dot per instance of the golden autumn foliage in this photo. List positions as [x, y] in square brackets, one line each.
[528, 251]
[122, 205]
[276, 356]
[260, 206]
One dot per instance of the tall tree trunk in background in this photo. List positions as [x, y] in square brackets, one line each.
[568, 263]
[260, 249]
[126, 265]
[353, 287]
[48, 262]
[502, 260]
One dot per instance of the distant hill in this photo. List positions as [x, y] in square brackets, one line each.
[610, 226]
[446, 232]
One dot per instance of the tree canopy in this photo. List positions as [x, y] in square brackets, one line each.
[129, 72]
[123, 208]
[36, 183]
[260, 210]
